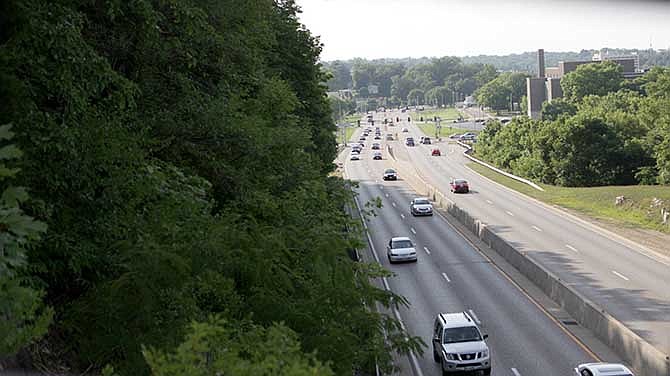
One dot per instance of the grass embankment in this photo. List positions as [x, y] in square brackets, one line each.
[429, 129]
[348, 132]
[449, 113]
[597, 202]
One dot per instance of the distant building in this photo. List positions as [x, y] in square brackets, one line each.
[373, 89]
[547, 85]
[469, 101]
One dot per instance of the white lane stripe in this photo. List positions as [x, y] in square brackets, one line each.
[537, 228]
[426, 249]
[393, 203]
[402, 216]
[620, 275]
[489, 202]
[568, 246]
[387, 195]
[377, 181]
[474, 317]
[413, 231]
[515, 372]
[445, 277]
[510, 213]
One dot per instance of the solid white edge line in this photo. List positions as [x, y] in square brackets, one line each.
[474, 317]
[426, 249]
[568, 246]
[620, 275]
[515, 372]
[446, 277]
[536, 228]
[413, 230]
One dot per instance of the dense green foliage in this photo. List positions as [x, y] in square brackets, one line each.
[23, 316]
[501, 92]
[592, 79]
[617, 138]
[179, 153]
[437, 81]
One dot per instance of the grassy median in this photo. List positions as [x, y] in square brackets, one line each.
[429, 129]
[597, 202]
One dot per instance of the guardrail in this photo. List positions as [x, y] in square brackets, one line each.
[467, 152]
[641, 355]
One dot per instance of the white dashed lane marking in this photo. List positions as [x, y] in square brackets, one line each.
[510, 213]
[620, 275]
[537, 229]
[402, 216]
[489, 202]
[413, 230]
[474, 317]
[426, 249]
[515, 372]
[573, 249]
[446, 277]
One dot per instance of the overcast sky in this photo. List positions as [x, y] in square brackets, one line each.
[416, 28]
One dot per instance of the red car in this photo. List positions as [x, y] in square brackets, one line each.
[459, 186]
[436, 153]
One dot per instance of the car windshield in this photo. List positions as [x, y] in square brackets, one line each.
[401, 244]
[460, 182]
[421, 202]
[389, 171]
[464, 334]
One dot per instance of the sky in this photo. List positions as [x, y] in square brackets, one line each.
[416, 28]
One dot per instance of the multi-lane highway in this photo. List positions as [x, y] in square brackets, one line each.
[630, 283]
[451, 275]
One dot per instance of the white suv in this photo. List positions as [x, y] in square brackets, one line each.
[420, 206]
[602, 369]
[459, 345]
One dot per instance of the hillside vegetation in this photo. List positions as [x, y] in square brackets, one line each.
[177, 216]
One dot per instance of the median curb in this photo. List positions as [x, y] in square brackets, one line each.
[642, 356]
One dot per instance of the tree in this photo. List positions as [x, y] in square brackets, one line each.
[592, 79]
[415, 96]
[553, 110]
[24, 317]
[340, 76]
[503, 90]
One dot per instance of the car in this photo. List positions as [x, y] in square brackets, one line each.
[455, 136]
[355, 157]
[602, 369]
[400, 249]
[389, 137]
[355, 151]
[377, 156]
[468, 135]
[436, 153]
[421, 139]
[376, 146]
[378, 137]
[459, 345]
[362, 145]
[420, 206]
[405, 130]
[459, 186]
[409, 141]
[390, 174]
[426, 141]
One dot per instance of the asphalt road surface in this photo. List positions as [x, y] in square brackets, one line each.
[629, 282]
[451, 276]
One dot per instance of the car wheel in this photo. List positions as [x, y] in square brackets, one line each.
[487, 371]
[444, 371]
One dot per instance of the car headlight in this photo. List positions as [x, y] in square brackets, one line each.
[485, 353]
[451, 356]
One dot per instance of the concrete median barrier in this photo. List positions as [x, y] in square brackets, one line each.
[642, 356]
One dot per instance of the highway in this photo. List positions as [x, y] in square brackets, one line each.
[451, 275]
[630, 283]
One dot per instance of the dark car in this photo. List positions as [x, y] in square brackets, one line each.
[459, 186]
[409, 141]
[376, 146]
[426, 141]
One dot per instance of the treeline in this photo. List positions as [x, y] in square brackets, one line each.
[527, 61]
[178, 216]
[439, 81]
[606, 131]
